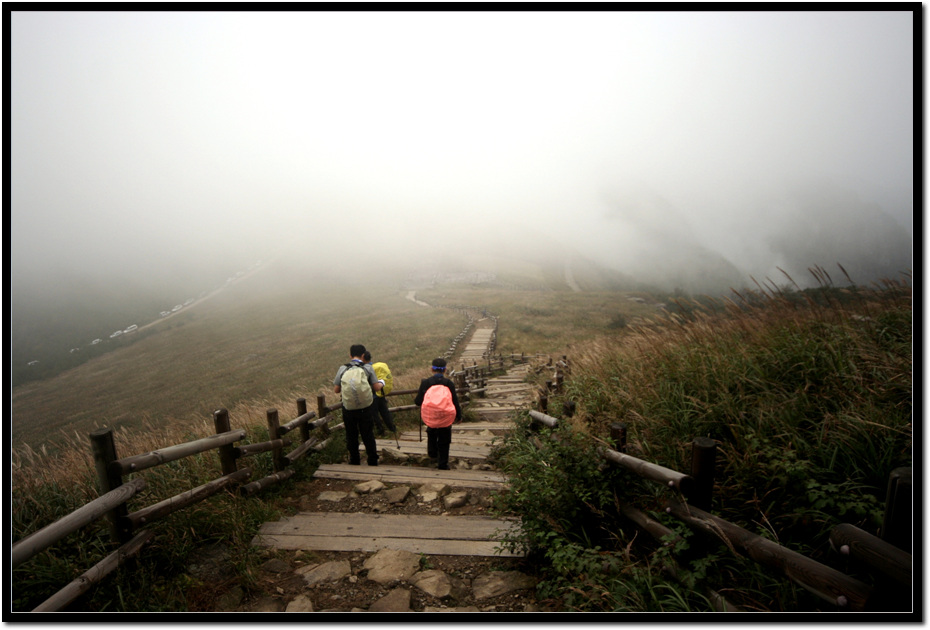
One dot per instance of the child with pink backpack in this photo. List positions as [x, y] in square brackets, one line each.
[439, 409]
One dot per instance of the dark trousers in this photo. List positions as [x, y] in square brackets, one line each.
[437, 444]
[382, 416]
[359, 421]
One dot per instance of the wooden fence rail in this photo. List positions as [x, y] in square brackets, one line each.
[827, 583]
[95, 574]
[834, 587]
[876, 553]
[49, 535]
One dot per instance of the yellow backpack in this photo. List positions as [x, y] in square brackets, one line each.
[383, 372]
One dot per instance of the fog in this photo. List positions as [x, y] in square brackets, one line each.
[161, 147]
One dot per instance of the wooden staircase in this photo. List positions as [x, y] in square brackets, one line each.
[431, 534]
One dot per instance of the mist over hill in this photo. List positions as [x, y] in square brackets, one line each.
[643, 242]
[157, 154]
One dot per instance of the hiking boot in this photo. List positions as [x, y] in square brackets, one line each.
[443, 467]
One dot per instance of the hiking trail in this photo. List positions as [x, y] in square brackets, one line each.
[404, 536]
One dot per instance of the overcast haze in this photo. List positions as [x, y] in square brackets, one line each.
[152, 144]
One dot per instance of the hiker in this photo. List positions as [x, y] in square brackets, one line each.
[356, 383]
[439, 408]
[381, 414]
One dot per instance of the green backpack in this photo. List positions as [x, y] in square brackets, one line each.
[355, 388]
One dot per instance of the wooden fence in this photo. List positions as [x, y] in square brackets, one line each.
[313, 432]
[888, 556]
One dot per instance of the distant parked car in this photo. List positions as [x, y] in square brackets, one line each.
[32, 363]
[132, 328]
[73, 350]
[165, 313]
[116, 334]
[95, 342]
[177, 308]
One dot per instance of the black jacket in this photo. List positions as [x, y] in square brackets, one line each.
[439, 379]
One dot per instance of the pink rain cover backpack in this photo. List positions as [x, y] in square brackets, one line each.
[437, 410]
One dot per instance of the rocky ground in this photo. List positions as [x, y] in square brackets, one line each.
[386, 581]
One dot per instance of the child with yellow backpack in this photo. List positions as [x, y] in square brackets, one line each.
[381, 414]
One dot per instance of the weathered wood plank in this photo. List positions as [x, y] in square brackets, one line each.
[482, 426]
[413, 475]
[390, 525]
[500, 388]
[486, 410]
[414, 545]
[461, 437]
[460, 450]
[435, 535]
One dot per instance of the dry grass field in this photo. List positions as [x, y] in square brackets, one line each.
[267, 341]
[248, 344]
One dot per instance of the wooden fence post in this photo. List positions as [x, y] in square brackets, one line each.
[568, 408]
[544, 403]
[104, 450]
[227, 451]
[305, 427]
[897, 524]
[276, 453]
[322, 411]
[618, 435]
[703, 464]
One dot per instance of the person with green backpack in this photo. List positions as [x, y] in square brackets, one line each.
[439, 409]
[356, 383]
[382, 413]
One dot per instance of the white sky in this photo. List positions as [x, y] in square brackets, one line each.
[141, 137]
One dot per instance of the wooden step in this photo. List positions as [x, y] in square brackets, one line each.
[428, 534]
[413, 475]
[485, 409]
[495, 389]
[462, 437]
[409, 447]
[482, 426]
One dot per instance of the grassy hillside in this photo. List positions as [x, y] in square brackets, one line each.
[280, 333]
[251, 342]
